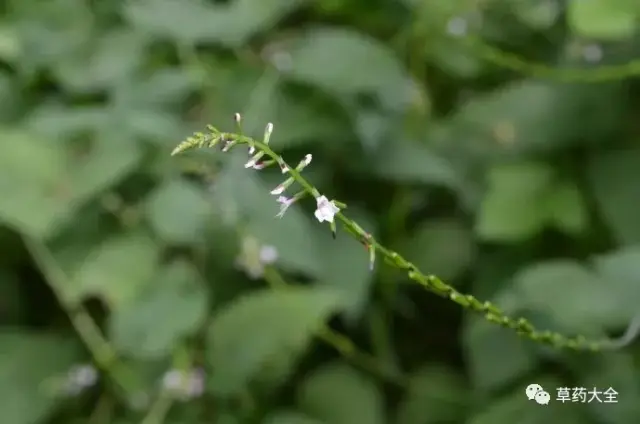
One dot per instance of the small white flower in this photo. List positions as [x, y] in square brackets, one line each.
[284, 169]
[252, 149]
[326, 209]
[278, 190]
[79, 378]
[592, 53]
[184, 384]
[306, 161]
[285, 202]
[250, 164]
[457, 26]
[268, 254]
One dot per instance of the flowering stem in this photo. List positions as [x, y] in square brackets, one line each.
[428, 281]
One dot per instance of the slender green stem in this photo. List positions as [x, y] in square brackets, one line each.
[103, 353]
[428, 281]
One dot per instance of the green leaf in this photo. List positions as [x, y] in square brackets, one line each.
[289, 417]
[195, 21]
[106, 163]
[338, 394]
[567, 209]
[169, 310]
[41, 186]
[514, 208]
[178, 211]
[507, 120]
[117, 270]
[516, 407]
[489, 371]
[603, 19]
[30, 365]
[620, 270]
[538, 15]
[442, 247]
[261, 334]
[408, 162]
[435, 395]
[113, 58]
[32, 183]
[333, 59]
[611, 175]
[616, 370]
[575, 298]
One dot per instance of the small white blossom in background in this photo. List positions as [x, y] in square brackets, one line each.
[184, 385]
[254, 256]
[79, 378]
[326, 210]
[457, 26]
[592, 53]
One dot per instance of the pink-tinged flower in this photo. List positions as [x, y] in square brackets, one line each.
[285, 202]
[326, 210]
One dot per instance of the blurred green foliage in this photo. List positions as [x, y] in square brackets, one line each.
[492, 143]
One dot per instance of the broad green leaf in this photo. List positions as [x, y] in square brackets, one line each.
[508, 119]
[170, 309]
[538, 15]
[239, 192]
[107, 162]
[612, 175]
[165, 86]
[196, 21]
[259, 335]
[410, 162]
[57, 120]
[567, 209]
[575, 298]
[338, 394]
[489, 371]
[117, 270]
[114, 58]
[615, 370]
[516, 407]
[333, 59]
[32, 184]
[442, 247]
[289, 417]
[30, 366]
[620, 270]
[514, 207]
[435, 395]
[41, 186]
[604, 19]
[178, 211]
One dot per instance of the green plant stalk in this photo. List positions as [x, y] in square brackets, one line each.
[428, 281]
[101, 350]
